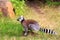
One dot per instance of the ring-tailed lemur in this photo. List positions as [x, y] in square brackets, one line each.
[33, 26]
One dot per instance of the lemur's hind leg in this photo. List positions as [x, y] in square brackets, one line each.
[33, 33]
[34, 28]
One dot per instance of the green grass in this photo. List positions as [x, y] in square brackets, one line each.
[19, 6]
[10, 27]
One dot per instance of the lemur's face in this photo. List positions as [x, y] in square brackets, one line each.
[20, 18]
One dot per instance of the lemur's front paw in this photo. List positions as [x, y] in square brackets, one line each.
[25, 34]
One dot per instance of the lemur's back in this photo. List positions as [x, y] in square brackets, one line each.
[27, 22]
[31, 24]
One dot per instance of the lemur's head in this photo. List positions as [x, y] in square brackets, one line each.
[21, 19]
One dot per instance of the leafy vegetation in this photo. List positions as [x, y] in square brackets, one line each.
[50, 3]
[19, 6]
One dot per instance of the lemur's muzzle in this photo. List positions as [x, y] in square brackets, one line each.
[17, 19]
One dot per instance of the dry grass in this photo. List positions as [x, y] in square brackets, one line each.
[49, 19]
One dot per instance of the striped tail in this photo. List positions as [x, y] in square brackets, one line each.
[48, 31]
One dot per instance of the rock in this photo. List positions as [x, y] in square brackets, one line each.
[7, 8]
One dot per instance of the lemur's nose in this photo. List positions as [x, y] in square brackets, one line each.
[17, 19]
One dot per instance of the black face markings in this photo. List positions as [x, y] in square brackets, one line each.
[22, 20]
